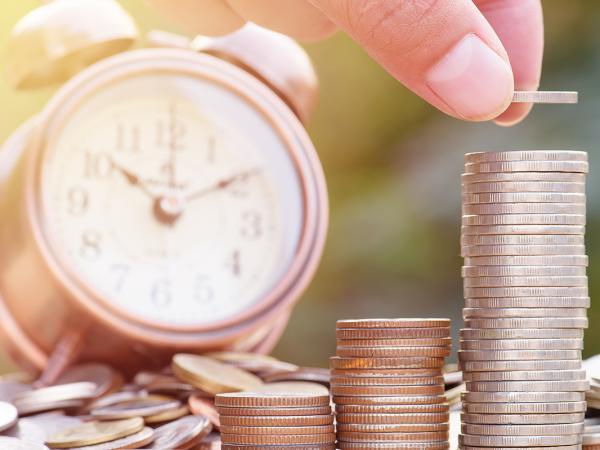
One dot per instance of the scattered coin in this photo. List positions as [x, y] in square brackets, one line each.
[142, 406]
[182, 433]
[8, 416]
[17, 444]
[136, 440]
[95, 433]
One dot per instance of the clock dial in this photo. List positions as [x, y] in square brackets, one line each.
[173, 199]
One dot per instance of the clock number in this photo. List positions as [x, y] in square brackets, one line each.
[97, 165]
[78, 199]
[121, 271]
[252, 225]
[203, 291]
[170, 133]
[128, 138]
[233, 263]
[161, 293]
[90, 244]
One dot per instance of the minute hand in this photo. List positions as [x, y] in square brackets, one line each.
[220, 185]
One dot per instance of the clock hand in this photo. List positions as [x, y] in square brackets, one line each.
[221, 184]
[134, 179]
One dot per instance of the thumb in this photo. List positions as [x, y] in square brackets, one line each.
[443, 50]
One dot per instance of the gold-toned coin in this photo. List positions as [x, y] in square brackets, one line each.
[527, 155]
[528, 302]
[386, 391]
[523, 419]
[408, 362]
[522, 197]
[392, 333]
[469, 230]
[141, 406]
[528, 166]
[72, 391]
[525, 408]
[391, 352]
[183, 433]
[538, 375]
[168, 415]
[253, 362]
[522, 344]
[211, 375]
[520, 333]
[523, 208]
[469, 313]
[523, 219]
[95, 433]
[393, 323]
[137, 440]
[259, 399]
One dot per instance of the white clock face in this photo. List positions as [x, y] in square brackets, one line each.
[173, 199]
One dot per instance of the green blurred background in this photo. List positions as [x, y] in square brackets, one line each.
[393, 164]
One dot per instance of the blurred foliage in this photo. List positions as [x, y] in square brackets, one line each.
[393, 165]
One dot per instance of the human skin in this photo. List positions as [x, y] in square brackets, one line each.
[465, 57]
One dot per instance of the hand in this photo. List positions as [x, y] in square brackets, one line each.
[465, 57]
[220, 185]
[134, 179]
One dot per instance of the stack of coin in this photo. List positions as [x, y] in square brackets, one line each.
[265, 420]
[387, 383]
[526, 299]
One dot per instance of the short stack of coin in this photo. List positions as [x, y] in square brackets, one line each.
[387, 383]
[526, 299]
[264, 420]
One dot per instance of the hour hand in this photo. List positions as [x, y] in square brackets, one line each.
[134, 179]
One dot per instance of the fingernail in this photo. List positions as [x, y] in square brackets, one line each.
[473, 80]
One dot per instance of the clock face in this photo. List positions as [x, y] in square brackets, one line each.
[172, 199]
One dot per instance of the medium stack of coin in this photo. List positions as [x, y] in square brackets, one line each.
[387, 383]
[526, 299]
[252, 420]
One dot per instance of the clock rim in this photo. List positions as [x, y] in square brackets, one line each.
[284, 292]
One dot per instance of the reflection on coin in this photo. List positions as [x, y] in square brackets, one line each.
[17, 444]
[182, 433]
[8, 416]
[384, 391]
[545, 97]
[337, 362]
[95, 433]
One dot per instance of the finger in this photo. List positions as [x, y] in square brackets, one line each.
[208, 17]
[443, 50]
[296, 18]
[520, 26]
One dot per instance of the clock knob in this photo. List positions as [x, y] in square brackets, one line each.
[274, 58]
[58, 39]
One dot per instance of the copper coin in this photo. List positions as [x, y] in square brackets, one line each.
[387, 381]
[410, 343]
[257, 399]
[314, 374]
[392, 333]
[392, 409]
[138, 407]
[275, 411]
[272, 421]
[393, 323]
[385, 363]
[523, 419]
[167, 416]
[394, 445]
[275, 447]
[528, 155]
[386, 391]
[204, 407]
[182, 433]
[277, 439]
[387, 373]
[528, 302]
[391, 352]
[279, 430]
[525, 408]
[391, 427]
[389, 400]
[425, 436]
[384, 418]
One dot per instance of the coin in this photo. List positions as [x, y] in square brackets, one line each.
[522, 344]
[535, 281]
[103, 376]
[524, 408]
[388, 400]
[521, 183]
[523, 208]
[96, 433]
[393, 445]
[392, 408]
[523, 239]
[523, 386]
[545, 97]
[385, 373]
[386, 381]
[8, 416]
[424, 436]
[296, 429]
[386, 391]
[182, 433]
[523, 219]
[293, 387]
[204, 407]
[523, 419]
[483, 366]
[527, 155]
[136, 440]
[391, 352]
[416, 343]
[392, 333]
[521, 333]
[271, 421]
[141, 406]
[252, 362]
[17, 444]
[522, 250]
[314, 374]
[393, 323]
[527, 166]
[528, 302]
[391, 427]
[258, 399]
[71, 391]
[539, 375]
[513, 441]
[523, 312]
[468, 230]
[408, 362]
[212, 376]
[167, 416]
[277, 439]
[523, 430]
[545, 322]
[536, 291]
[522, 397]
[501, 198]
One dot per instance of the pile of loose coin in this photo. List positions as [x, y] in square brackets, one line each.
[526, 299]
[387, 383]
[275, 420]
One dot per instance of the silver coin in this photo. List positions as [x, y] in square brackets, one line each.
[591, 440]
[472, 313]
[486, 366]
[520, 333]
[524, 408]
[523, 271]
[534, 281]
[180, 433]
[558, 291]
[527, 375]
[522, 397]
[545, 322]
[522, 239]
[514, 441]
[469, 230]
[522, 344]
[486, 198]
[523, 430]
[522, 419]
[528, 155]
[70, 391]
[527, 386]
[526, 177]
[555, 97]
[517, 355]
[507, 185]
[523, 219]
[8, 416]
[546, 260]
[528, 166]
[11, 443]
[528, 302]
[512, 250]
[523, 208]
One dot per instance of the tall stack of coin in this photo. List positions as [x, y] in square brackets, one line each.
[263, 420]
[387, 383]
[526, 299]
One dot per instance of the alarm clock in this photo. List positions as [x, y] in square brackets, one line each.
[164, 200]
